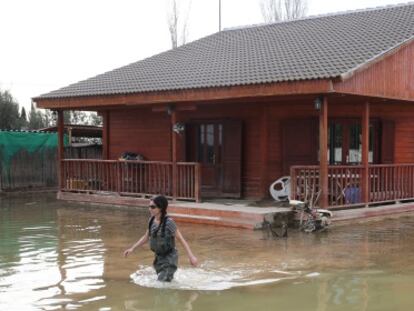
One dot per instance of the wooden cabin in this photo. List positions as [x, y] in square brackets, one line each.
[326, 100]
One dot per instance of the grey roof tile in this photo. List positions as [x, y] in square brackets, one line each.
[311, 48]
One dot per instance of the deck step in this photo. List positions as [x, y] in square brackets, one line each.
[216, 220]
[176, 215]
[237, 214]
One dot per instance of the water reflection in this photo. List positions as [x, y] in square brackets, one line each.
[56, 255]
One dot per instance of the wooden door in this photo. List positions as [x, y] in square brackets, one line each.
[345, 142]
[217, 146]
[232, 158]
[387, 141]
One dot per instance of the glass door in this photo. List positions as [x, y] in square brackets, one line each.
[345, 142]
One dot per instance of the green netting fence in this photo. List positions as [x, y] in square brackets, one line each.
[28, 159]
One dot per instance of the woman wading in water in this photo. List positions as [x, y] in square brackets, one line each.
[161, 233]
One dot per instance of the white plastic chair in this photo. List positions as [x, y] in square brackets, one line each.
[280, 189]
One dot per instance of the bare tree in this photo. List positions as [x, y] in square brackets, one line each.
[177, 20]
[278, 10]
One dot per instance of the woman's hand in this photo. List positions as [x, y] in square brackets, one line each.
[193, 260]
[141, 241]
[128, 251]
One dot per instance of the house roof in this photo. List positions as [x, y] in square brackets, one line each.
[320, 47]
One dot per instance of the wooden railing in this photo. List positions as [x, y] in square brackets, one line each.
[386, 183]
[391, 182]
[133, 178]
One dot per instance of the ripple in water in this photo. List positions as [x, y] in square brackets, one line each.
[205, 279]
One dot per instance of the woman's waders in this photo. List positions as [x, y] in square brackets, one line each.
[166, 256]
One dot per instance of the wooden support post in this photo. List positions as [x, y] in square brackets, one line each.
[61, 150]
[264, 144]
[323, 152]
[365, 155]
[174, 154]
[105, 135]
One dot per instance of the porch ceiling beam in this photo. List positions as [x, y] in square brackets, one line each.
[193, 95]
[166, 108]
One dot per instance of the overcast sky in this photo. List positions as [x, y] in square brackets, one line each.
[48, 44]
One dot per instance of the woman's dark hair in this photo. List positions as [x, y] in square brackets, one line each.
[162, 203]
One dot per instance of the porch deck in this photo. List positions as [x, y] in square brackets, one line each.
[244, 214]
[354, 192]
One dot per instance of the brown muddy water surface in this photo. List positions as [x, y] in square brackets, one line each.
[65, 256]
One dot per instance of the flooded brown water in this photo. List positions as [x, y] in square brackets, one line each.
[65, 256]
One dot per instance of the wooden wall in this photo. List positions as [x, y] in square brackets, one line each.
[404, 142]
[402, 114]
[391, 77]
[148, 133]
[141, 131]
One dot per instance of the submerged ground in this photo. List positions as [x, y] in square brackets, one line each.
[57, 255]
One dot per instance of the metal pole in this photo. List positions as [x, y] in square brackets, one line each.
[219, 15]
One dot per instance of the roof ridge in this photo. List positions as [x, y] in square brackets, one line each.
[323, 15]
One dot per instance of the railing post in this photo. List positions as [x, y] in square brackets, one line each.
[118, 174]
[292, 183]
[64, 174]
[175, 180]
[197, 183]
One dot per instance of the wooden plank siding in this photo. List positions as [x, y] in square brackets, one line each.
[402, 114]
[404, 144]
[144, 131]
[390, 77]
[141, 131]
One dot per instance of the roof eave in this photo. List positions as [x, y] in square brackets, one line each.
[302, 87]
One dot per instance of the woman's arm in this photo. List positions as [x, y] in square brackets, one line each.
[191, 257]
[141, 241]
